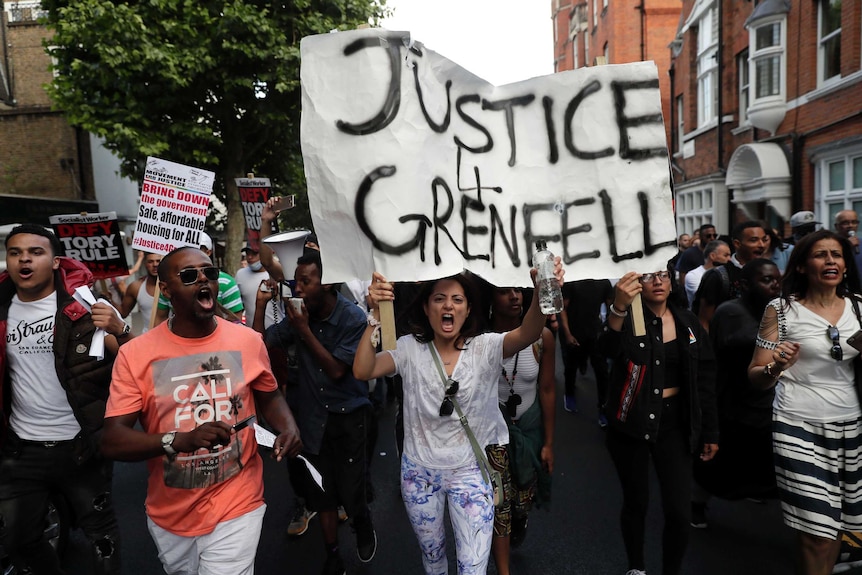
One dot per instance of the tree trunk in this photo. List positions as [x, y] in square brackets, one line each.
[235, 238]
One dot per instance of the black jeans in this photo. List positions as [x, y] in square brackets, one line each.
[29, 472]
[672, 461]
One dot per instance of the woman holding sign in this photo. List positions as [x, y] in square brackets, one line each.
[661, 406]
[448, 369]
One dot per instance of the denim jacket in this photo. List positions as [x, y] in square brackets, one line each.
[638, 376]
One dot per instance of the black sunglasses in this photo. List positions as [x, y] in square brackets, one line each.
[447, 407]
[836, 352]
[190, 275]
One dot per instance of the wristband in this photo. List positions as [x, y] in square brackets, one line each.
[374, 323]
[617, 312]
[767, 369]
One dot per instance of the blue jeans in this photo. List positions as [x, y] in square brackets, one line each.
[29, 472]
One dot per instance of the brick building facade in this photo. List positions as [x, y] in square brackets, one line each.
[767, 111]
[595, 32]
[41, 156]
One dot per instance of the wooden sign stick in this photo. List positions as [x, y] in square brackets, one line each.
[637, 311]
[387, 324]
[155, 303]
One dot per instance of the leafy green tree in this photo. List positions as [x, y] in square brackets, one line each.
[212, 84]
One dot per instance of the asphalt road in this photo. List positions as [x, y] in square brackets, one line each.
[578, 535]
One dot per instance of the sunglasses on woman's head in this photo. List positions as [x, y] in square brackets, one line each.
[836, 352]
[447, 407]
[190, 275]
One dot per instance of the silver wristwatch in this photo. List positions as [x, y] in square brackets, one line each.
[167, 442]
[127, 329]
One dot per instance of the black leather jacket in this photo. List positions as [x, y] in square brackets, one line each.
[634, 402]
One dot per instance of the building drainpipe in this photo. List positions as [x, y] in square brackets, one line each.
[719, 55]
[642, 9]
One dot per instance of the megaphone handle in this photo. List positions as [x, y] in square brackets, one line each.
[387, 324]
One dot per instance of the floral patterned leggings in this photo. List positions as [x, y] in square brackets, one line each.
[471, 510]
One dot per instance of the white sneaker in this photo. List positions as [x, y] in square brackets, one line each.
[635, 572]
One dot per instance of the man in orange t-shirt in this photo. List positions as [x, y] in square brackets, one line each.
[188, 381]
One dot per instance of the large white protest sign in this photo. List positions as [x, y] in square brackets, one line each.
[174, 203]
[419, 169]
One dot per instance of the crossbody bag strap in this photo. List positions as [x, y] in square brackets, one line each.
[855, 305]
[481, 459]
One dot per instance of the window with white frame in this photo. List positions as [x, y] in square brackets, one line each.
[595, 12]
[680, 121]
[828, 40]
[767, 44]
[694, 208]
[707, 68]
[742, 68]
[575, 42]
[606, 53]
[839, 178]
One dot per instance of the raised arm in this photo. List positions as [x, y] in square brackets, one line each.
[533, 322]
[367, 363]
[771, 356]
[267, 216]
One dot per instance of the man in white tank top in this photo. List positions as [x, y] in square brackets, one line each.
[141, 291]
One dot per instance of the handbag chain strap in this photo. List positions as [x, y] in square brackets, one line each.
[482, 460]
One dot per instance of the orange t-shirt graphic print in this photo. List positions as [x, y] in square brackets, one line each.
[194, 390]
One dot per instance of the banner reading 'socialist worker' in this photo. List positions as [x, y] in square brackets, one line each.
[418, 168]
[93, 239]
[253, 194]
[174, 203]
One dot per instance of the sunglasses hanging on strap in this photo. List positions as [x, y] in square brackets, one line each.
[450, 388]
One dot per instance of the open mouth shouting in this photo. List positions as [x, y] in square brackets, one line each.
[447, 322]
[205, 298]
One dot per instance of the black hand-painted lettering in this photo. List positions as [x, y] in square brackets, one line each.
[570, 231]
[362, 220]
[608, 209]
[511, 246]
[478, 188]
[625, 122]
[440, 221]
[649, 247]
[468, 203]
[507, 105]
[553, 150]
[529, 238]
[439, 128]
[568, 131]
[387, 113]
[469, 120]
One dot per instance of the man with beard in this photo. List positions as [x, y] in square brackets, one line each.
[332, 406]
[722, 283]
[743, 467]
[194, 382]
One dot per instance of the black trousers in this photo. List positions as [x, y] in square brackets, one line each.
[671, 458]
[29, 472]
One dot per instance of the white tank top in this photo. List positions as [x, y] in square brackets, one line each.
[145, 303]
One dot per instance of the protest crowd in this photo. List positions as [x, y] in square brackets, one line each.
[742, 387]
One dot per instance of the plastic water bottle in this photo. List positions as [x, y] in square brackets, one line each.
[548, 289]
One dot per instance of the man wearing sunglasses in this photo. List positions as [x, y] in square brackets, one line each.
[229, 304]
[191, 382]
[56, 393]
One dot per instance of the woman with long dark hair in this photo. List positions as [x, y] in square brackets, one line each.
[448, 368]
[661, 407]
[802, 350]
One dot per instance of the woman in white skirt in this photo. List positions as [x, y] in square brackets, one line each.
[802, 350]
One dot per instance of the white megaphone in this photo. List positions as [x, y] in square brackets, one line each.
[288, 246]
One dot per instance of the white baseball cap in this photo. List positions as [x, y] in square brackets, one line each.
[206, 241]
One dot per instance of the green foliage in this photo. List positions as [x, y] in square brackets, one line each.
[200, 82]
